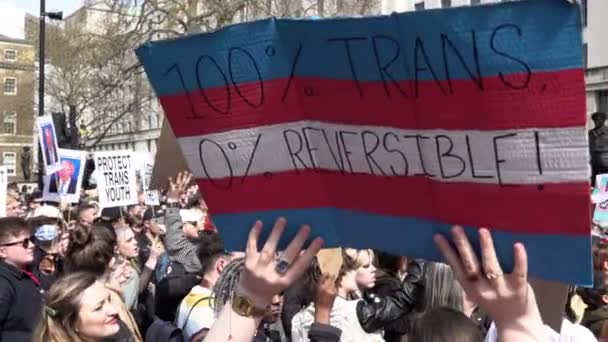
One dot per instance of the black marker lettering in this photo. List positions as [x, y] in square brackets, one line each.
[448, 153]
[309, 148]
[368, 152]
[419, 138]
[201, 86]
[347, 152]
[445, 43]
[235, 83]
[420, 50]
[228, 165]
[383, 67]
[539, 162]
[394, 150]
[506, 82]
[339, 165]
[293, 153]
[497, 159]
[351, 63]
[473, 173]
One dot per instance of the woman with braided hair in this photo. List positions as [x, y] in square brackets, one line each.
[224, 290]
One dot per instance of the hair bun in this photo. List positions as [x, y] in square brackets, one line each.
[80, 235]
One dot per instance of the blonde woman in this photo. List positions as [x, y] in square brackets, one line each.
[356, 274]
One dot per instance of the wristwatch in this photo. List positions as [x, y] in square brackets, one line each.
[243, 307]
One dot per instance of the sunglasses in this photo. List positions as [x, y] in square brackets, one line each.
[25, 243]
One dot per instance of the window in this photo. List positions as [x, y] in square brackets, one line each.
[9, 159]
[602, 101]
[475, 2]
[446, 3]
[585, 56]
[10, 86]
[10, 55]
[9, 123]
[584, 12]
[419, 6]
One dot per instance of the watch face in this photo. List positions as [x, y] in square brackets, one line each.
[241, 305]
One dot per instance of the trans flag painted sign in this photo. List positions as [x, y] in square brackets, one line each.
[382, 131]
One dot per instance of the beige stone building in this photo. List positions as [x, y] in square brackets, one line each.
[17, 81]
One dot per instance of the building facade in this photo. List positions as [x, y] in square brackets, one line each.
[596, 54]
[17, 74]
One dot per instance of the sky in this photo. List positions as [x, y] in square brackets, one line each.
[12, 13]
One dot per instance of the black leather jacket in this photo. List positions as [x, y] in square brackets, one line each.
[375, 312]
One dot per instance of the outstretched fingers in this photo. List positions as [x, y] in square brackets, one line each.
[491, 266]
[450, 256]
[303, 261]
[469, 261]
[268, 252]
[295, 246]
[520, 270]
[251, 250]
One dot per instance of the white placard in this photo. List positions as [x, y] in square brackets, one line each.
[144, 165]
[116, 182]
[47, 139]
[65, 184]
[3, 186]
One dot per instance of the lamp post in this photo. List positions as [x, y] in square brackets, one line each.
[41, 58]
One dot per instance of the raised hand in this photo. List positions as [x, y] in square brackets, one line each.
[179, 186]
[507, 298]
[324, 300]
[264, 276]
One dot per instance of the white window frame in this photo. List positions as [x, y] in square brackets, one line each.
[4, 86]
[14, 122]
[9, 59]
[10, 171]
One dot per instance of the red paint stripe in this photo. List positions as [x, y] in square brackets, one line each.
[559, 208]
[554, 99]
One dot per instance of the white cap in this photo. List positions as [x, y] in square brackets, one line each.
[191, 215]
[47, 211]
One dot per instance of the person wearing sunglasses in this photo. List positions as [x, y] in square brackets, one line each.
[20, 293]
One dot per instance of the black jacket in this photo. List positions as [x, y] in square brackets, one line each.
[377, 312]
[387, 284]
[20, 304]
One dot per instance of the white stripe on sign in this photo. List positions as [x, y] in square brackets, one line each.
[518, 156]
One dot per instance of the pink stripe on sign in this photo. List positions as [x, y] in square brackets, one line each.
[390, 104]
[554, 208]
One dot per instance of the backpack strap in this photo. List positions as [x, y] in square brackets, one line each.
[192, 308]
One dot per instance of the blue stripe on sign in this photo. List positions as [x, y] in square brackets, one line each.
[542, 35]
[553, 257]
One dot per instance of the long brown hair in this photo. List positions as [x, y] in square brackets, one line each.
[60, 315]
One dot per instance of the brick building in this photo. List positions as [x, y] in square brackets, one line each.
[17, 78]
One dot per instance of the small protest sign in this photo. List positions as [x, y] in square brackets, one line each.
[47, 139]
[116, 183]
[65, 184]
[3, 188]
[380, 132]
[145, 166]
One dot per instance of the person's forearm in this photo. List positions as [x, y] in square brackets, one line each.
[231, 324]
[146, 274]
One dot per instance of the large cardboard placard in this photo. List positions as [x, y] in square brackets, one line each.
[116, 182]
[65, 184]
[380, 132]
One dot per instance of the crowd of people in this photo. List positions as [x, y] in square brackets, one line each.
[75, 272]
